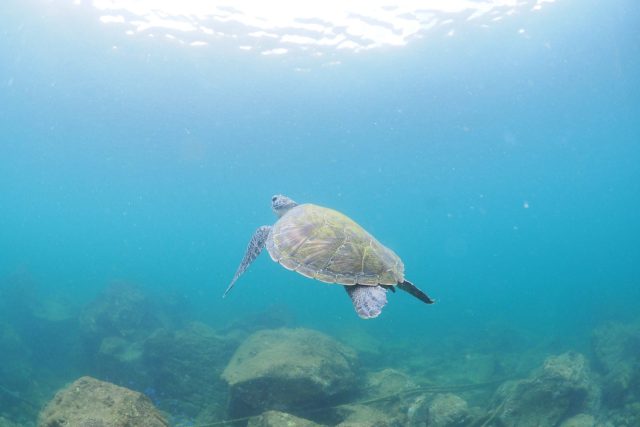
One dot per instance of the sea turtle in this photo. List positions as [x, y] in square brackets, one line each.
[324, 244]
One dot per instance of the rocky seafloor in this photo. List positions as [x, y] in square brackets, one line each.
[126, 359]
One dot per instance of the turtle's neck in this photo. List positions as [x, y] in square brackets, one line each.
[283, 210]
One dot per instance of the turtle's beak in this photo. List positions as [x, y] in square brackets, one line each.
[276, 202]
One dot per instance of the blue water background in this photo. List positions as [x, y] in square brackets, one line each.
[503, 169]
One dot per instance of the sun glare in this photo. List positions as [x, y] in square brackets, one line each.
[282, 26]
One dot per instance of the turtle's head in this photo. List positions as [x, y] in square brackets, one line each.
[281, 204]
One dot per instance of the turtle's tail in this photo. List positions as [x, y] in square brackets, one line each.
[409, 287]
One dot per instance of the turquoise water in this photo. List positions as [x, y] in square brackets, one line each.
[500, 164]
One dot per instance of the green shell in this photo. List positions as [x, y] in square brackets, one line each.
[324, 244]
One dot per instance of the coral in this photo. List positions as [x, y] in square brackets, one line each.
[89, 402]
[289, 370]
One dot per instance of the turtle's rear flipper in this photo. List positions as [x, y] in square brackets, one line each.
[367, 300]
[407, 286]
[253, 250]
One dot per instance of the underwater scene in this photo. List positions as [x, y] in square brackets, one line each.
[420, 213]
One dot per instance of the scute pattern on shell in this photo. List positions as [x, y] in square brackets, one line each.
[324, 244]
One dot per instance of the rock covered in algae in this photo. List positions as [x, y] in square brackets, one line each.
[580, 420]
[387, 383]
[290, 370]
[387, 391]
[448, 410]
[358, 415]
[114, 327]
[564, 387]
[280, 419]
[185, 366]
[90, 402]
[616, 348]
[626, 416]
[442, 410]
[8, 423]
[119, 360]
[122, 310]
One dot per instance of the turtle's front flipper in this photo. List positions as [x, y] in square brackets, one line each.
[367, 300]
[253, 250]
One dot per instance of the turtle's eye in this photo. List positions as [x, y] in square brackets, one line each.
[274, 198]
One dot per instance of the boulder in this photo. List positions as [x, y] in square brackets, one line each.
[387, 382]
[386, 390]
[562, 388]
[580, 420]
[279, 419]
[122, 310]
[16, 376]
[114, 327]
[120, 361]
[358, 415]
[448, 410]
[8, 423]
[418, 411]
[89, 402]
[290, 370]
[184, 366]
[625, 416]
[442, 410]
[383, 401]
[616, 348]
